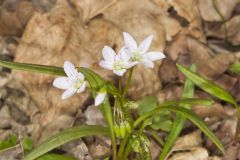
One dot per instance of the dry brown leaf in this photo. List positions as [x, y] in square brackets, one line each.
[197, 153]
[231, 31]
[209, 13]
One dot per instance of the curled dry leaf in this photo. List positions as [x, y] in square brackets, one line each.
[231, 31]
[209, 12]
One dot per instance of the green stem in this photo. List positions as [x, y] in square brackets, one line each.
[120, 85]
[127, 150]
[128, 82]
[122, 146]
[109, 118]
[237, 134]
[156, 137]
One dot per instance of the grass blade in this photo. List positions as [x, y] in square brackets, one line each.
[189, 115]
[64, 137]
[178, 124]
[207, 86]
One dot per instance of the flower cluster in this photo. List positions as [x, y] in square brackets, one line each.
[129, 56]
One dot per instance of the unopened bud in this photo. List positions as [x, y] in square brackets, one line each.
[116, 130]
[128, 127]
[122, 130]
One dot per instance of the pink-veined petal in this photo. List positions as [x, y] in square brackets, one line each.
[70, 70]
[129, 42]
[119, 72]
[61, 83]
[153, 56]
[147, 63]
[82, 88]
[145, 44]
[106, 65]
[100, 98]
[68, 93]
[108, 53]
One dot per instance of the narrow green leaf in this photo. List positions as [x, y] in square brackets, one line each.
[52, 156]
[93, 78]
[189, 101]
[189, 115]
[64, 137]
[178, 124]
[235, 67]
[208, 86]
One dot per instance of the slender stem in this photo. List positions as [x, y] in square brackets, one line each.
[122, 146]
[120, 85]
[156, 137]
[109, 118]
[128, 82]
[127, 150]
[237, 134]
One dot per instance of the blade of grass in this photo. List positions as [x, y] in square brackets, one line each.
[208, 86]
[189, 115]
[179, 122]
[64, 137]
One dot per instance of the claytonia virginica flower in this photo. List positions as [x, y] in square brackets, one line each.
[100, 96]
[140, 53]
[73, 83]
[119, 63]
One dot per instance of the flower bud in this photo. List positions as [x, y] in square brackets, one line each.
[122, 130]
[128, 127]
[116, 130]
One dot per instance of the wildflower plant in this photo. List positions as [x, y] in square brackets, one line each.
[120, 125]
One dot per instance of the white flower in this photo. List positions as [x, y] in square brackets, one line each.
[119, 63]
[140, 53]
[73, 83]
[100, 97]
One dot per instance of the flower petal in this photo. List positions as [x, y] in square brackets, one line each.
[129, 41]
[100, 98]
[81, 76]
[68, 93]
[61, 82]
[82, 88]
[106, 65]
[147, 63]
[145, 44]
[131, 64]
[119, 72]
[124, 56]
[70, 70]
[108, 53]
[153, 56]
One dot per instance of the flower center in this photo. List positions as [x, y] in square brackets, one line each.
[77, 83]
[118, 65]
[136, 56]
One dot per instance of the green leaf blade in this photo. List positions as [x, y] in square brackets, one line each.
[208, 86]
[64, 137]
[179, 122]
[189, 115]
